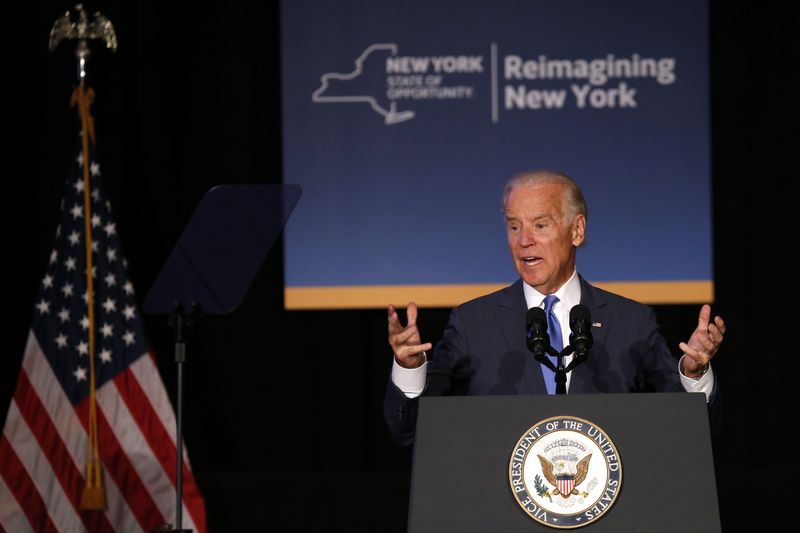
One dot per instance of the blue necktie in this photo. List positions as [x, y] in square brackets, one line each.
[554, 330]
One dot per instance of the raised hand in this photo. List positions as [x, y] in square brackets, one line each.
[703, 343]
[405, 341]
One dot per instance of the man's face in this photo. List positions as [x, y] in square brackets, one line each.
[542, 245]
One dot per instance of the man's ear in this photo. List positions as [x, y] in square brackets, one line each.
[578, 230]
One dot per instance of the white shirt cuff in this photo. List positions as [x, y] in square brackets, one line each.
[705, 384]
[411, 381]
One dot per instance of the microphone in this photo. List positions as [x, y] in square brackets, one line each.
[536, 325]
[581, 325]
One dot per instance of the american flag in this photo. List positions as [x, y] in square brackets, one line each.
[44, 445]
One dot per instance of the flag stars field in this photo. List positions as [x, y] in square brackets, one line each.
[80, 374]
[43, 307]
[61, 340]
[82, 348]
[105, 356]
[110, 305]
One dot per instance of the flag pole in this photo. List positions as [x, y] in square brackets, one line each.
[93, 496]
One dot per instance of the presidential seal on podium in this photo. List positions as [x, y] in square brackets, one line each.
[565, 472]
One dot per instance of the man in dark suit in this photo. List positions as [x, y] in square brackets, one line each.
[483, 350]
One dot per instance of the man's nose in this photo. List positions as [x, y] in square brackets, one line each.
[526, 238]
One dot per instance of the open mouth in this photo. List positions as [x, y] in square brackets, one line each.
[531, 261]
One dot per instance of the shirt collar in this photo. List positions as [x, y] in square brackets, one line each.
[569, 294]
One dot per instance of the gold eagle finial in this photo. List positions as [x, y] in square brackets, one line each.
[98, 28]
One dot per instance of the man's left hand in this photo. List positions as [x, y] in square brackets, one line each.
[703, 343]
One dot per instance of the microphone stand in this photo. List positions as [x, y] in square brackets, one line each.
[558, 368]
[539, 343]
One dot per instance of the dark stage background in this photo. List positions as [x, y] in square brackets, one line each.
[283, 409]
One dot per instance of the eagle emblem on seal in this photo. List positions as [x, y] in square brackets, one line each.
[563, 477]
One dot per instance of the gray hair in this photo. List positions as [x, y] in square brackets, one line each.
[573, 197]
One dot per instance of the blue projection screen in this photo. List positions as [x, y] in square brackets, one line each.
[402, 121]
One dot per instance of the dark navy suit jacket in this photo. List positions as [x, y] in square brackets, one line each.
[483, 351]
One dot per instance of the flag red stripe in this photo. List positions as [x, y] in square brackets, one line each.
[145, 370]
[21, 485]
[22, 440]
[69, 428]
[67, 473]
[144, 374]
[137, 449]
[161, 444]
[118, 466]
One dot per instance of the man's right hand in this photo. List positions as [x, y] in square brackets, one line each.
[405, 341]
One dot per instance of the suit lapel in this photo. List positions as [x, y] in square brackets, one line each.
[583, 375]
[511, 320]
